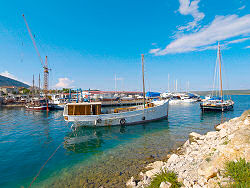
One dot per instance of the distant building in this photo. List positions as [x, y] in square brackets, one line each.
[8, 89]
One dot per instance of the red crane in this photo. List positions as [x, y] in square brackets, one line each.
[44, 65]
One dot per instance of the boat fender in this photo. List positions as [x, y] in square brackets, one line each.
[98, 120]
[143, 118]
[122, 121]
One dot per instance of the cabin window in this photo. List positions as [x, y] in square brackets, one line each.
[84, 109]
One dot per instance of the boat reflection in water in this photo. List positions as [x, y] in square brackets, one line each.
[214, 116]
[85, 140]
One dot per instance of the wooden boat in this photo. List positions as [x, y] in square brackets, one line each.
[217, 103]
[89, 114]
[38, 104]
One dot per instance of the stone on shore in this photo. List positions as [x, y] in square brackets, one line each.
[204, 156]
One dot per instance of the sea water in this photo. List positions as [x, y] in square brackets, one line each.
[93, 156]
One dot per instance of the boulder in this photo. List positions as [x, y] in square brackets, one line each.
[193, 137]
[156, 164]
[223, 133]
[165, 184]
[152, 172]
[211, 135]
[247, 122]
[131, 182]
[173, 158]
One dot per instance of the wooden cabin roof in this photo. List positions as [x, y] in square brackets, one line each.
[85, 103]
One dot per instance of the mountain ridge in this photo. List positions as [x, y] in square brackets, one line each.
[5, 81]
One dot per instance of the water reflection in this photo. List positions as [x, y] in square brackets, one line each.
[89, 139]
[212, 116]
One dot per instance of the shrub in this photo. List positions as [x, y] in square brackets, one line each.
[239, 171]
[164, 176]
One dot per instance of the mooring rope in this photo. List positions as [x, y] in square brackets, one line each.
[45, 164]
[34, 179]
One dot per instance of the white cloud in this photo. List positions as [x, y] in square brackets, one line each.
[238, 40]
[64, 83]
[153, 51]
[241, 8]
[190, 8]
[221, 28]
[247, 47]
[9, 75]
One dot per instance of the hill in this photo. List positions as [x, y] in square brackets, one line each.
[226, 92]
[5, 81]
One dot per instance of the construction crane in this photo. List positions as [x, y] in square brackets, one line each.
[44, 65]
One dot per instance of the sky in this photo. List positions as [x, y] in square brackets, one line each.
[90, 42]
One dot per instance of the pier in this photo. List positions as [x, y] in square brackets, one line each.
[121, 103]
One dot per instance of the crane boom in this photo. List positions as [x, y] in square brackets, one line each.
[45, 66]
[33, 40]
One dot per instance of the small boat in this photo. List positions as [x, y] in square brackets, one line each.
[38, 104]
[175, 99]
[89, 114]
[217, 103]
[189, 98]
[57, 103]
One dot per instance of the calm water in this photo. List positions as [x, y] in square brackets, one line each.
[27, 139]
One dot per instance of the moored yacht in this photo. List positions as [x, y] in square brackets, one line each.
[218, 103]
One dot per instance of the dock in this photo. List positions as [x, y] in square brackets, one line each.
[121, 103]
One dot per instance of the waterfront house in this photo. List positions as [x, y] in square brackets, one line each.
[9, 89]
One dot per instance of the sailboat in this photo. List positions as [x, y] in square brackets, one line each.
[218, 103]
[89, 113]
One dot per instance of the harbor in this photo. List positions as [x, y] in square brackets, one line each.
[87, 156]
[124, 94]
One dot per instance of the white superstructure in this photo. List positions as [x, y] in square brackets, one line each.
[73, 112]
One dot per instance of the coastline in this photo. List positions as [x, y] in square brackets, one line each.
[200, 161]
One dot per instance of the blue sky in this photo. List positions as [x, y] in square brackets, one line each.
[88, 42]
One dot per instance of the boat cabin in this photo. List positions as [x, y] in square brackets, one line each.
[76, 109]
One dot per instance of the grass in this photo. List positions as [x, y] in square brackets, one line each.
[239, 171]
[208, 159]
[164, 176]
[225, 142]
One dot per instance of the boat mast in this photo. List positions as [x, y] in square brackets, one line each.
[168, 84]
[33, 87]
[142, 59]
[219, 55]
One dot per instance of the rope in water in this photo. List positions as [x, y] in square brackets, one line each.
[34, 179]
[44, 165]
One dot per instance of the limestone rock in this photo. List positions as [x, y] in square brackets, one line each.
[193, 137]
[131, 182]
[156, 164]
[202, 157]
[165, 184]
[223, 133]
[173, 158]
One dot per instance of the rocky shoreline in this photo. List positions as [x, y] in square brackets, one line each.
[201, 160]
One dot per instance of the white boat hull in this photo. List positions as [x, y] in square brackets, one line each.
[125, 118]
[175, 102]
[188, 101]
